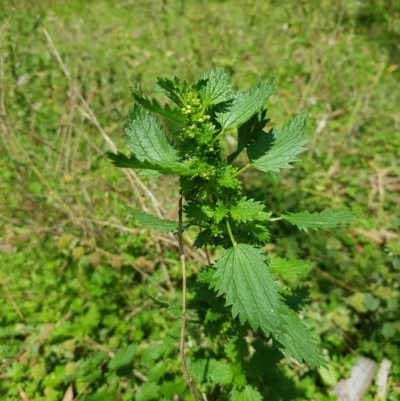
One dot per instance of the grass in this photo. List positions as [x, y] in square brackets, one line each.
[72, 265]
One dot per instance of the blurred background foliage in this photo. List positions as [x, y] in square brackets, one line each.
[73, 268]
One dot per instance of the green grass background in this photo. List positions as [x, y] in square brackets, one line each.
[72, 265]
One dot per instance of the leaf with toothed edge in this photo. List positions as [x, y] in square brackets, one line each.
[245, 104]
[214, 87]
[150, 221]
[289, 268]
[325, 220]
[243, 276]
[152, 105]
[175, 168]
[146, 138]
[279, 148]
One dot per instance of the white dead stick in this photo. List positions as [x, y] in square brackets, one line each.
[354, 388]
[382, 378]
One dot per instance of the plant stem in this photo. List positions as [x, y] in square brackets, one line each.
[275, 218]
[218, 136]
[188, 379]
[228, 226]
[242, 169]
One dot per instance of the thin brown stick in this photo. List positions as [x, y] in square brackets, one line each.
[335, 280]
[134, 267]
[90, 115]
[188, 379]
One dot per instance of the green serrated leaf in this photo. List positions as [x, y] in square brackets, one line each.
[236, 349]
[244, 105]
[152, 353]
[175, 90]
[248, 393]
[198, 369]
[324, 220]
[146, 138]
[249, 210]
[227, 178]
[289, 268]
[249, 131]
[195, 214]
[171, 388]
[278, 148]
[149, 173]
[150, 221]
[148, 391]
[202, 239]
[212, 316]
[122, 161]
[102, 396]
[216, 212]
[157, 371]
[297, 342]
[153, 106]
[219, 372]
[244, 277]
[214, 87]
[88, 366]
[122, 357]
[206, 274]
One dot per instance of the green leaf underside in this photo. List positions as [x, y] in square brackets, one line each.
[123, 357]
[249, 210]
[217, 212]
[289, 268]
[278, 148]
[245, 104]
[146, 138]
[149, 173]
[88, 366]
[324, 220]
[173, 89]
[150, 221]
[249, 131]
[152, 105]
[227, 178]
[244, 277]
[248, 393]
[123, 161]
[214, 87]
[148, 391]
[219, 372]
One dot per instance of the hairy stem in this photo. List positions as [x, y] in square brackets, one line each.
[188, 379]
[242, 169]
[218, 136]
[228, 226]
[275, 218]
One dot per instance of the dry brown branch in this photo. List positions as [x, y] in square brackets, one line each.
[90, 115]
[164, 268]
[335, 280]
[134, 267]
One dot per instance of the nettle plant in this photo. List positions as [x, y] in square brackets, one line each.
[243, 283]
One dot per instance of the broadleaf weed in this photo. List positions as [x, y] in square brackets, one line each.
[239, 291]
